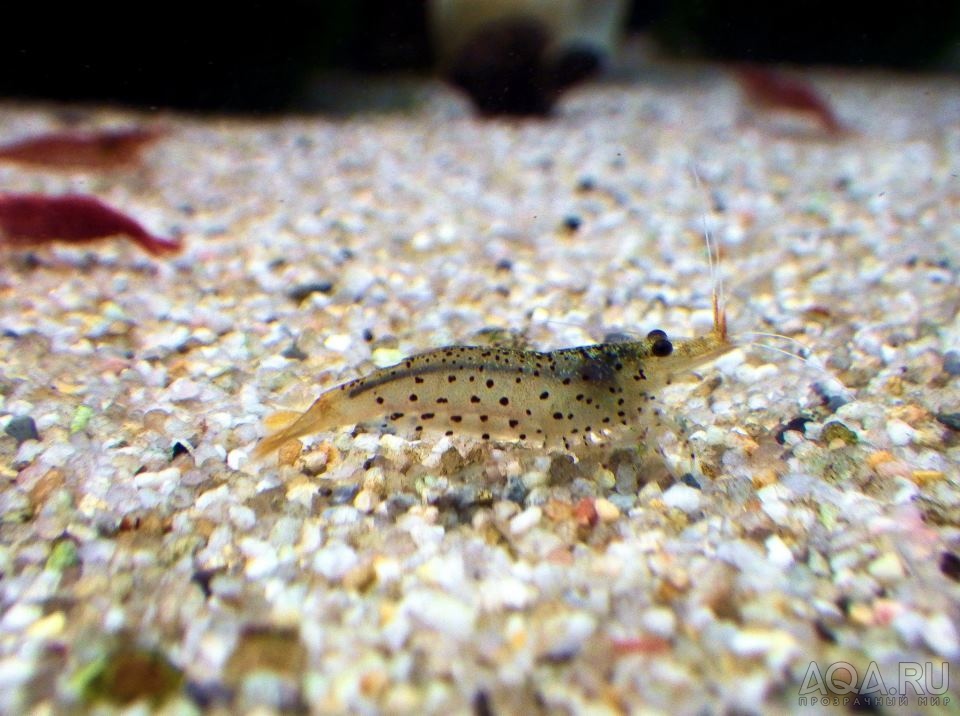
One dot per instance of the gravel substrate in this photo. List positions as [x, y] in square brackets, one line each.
[146, 558]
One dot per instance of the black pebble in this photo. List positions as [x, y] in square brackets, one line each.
[831, 401]
[504, 265]
[22, 428]
[401, 502]
[951, 362]
[294, 352]
[689, 480]
[481, 704]
[951, 420]
[798, 424]
[572, 222]
[178, 449]
[298, 293]
[344, 494]
[515, 490]
[950, 565]
[203, 577]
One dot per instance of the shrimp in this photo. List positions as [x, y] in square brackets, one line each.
[27, 219]
[101, 149]
[565, 397]
[770, 89]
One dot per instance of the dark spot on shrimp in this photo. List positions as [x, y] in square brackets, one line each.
[596, 371]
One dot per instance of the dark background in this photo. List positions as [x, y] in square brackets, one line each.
[257, 56]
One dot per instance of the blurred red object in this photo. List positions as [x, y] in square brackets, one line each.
[28, 219]
[101, 149]
[772, 90]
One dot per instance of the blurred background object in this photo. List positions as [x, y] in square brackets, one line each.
[262, 57]
[516, 56]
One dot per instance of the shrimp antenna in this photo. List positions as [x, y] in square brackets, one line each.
[809, 361]
[713, 260]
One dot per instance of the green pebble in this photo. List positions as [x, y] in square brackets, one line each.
[63, 555]
[828, 516]
[838, 431]
[81, 416]
[127, 675]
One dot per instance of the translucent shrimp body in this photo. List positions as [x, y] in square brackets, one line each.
[558, 398]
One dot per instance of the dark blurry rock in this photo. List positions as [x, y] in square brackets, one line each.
[951, 420]
[951, 362]
[302, 291]
[517, 56]
[22, 428]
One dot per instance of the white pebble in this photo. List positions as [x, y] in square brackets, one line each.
[334, 561]
[243, 517]
[15, 671]
[682, 497]
[776, 510]
[261, 565]
[526, 520]
[510, 593]
[886, 568]
[20, 616]
[777, 552]
[57, 455]
[208, 451]
[774, 645]
[941, 636]
[338, 342]
[899, 432]
[659, 621]
[441, 612]
[183, 389]
[564, 634]
[211, 498]
[28, 451]
[163, 481]
[236, 459]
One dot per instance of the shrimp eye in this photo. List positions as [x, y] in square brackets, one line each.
[656, 334]
[662, 347]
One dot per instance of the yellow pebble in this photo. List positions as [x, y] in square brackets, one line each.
[878, 458]
[922, 477]
[763, 478]
[47, 627]
[606, 510]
